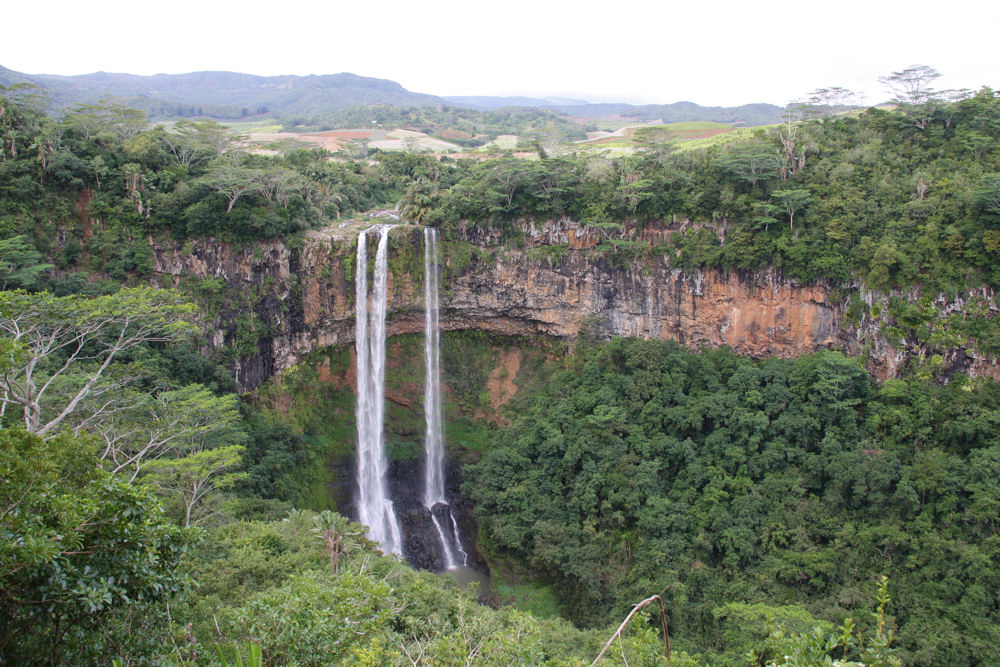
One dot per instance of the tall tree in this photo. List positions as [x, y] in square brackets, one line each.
[62, 349]
[911, 85]
[193, 478]
[137, 426]
[911, 89]
[793, 201]
[823, 102]
[750, 163]
[76, 547]
[232, 180]
[21, 265]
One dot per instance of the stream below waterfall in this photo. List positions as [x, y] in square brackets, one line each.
[466, 575]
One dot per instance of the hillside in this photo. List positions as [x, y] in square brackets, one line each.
[488, 102]
[225, 94]
[678, 112]
[231, 95]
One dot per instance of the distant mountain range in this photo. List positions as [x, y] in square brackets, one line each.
[487, 103]
[225, 95]
[230, 96]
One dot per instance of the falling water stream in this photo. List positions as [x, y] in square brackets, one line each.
[375, 509]
[434, 498]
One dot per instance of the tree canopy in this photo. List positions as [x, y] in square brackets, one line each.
[78, 549]
[637, 466]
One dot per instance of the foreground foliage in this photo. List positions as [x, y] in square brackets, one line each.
[82, 553]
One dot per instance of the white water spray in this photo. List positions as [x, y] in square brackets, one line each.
[375, 509]
[434, 441]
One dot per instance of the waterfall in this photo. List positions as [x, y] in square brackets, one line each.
[375, 509]
[434, 498]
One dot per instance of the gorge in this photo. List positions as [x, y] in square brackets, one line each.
[538, 281]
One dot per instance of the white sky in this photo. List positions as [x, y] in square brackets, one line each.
[713, 53]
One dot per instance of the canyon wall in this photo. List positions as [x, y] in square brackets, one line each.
[536, 279]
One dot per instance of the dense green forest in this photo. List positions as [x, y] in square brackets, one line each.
[891, 199]
[732, 485]
[221, 95]
[98, 562]
[869, 196]
[149, 513]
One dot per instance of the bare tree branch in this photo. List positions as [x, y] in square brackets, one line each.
[618, 632]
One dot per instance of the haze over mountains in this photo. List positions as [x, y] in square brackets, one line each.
[494, 102]
[232, 95]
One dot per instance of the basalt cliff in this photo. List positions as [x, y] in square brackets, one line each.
[547, 279]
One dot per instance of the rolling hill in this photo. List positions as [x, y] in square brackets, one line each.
[225, 94]
[232, 95]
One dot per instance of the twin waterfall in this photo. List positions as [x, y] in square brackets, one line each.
[375, 508]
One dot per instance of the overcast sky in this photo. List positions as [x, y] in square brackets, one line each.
[712, 53]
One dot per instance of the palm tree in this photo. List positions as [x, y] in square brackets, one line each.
[331, 528]
[418, 201]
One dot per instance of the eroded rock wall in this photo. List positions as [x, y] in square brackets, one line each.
[303, 298]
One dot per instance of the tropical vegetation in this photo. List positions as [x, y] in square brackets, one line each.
[784, 512]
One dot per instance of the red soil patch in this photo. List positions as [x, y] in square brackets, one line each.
[323, 372]
[340, 380]
[501, 381]
[80, 209]
[334, 139]
[329, 143]
[455, 134]
[501, 385]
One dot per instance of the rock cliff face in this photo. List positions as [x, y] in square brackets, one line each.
[301, 298]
